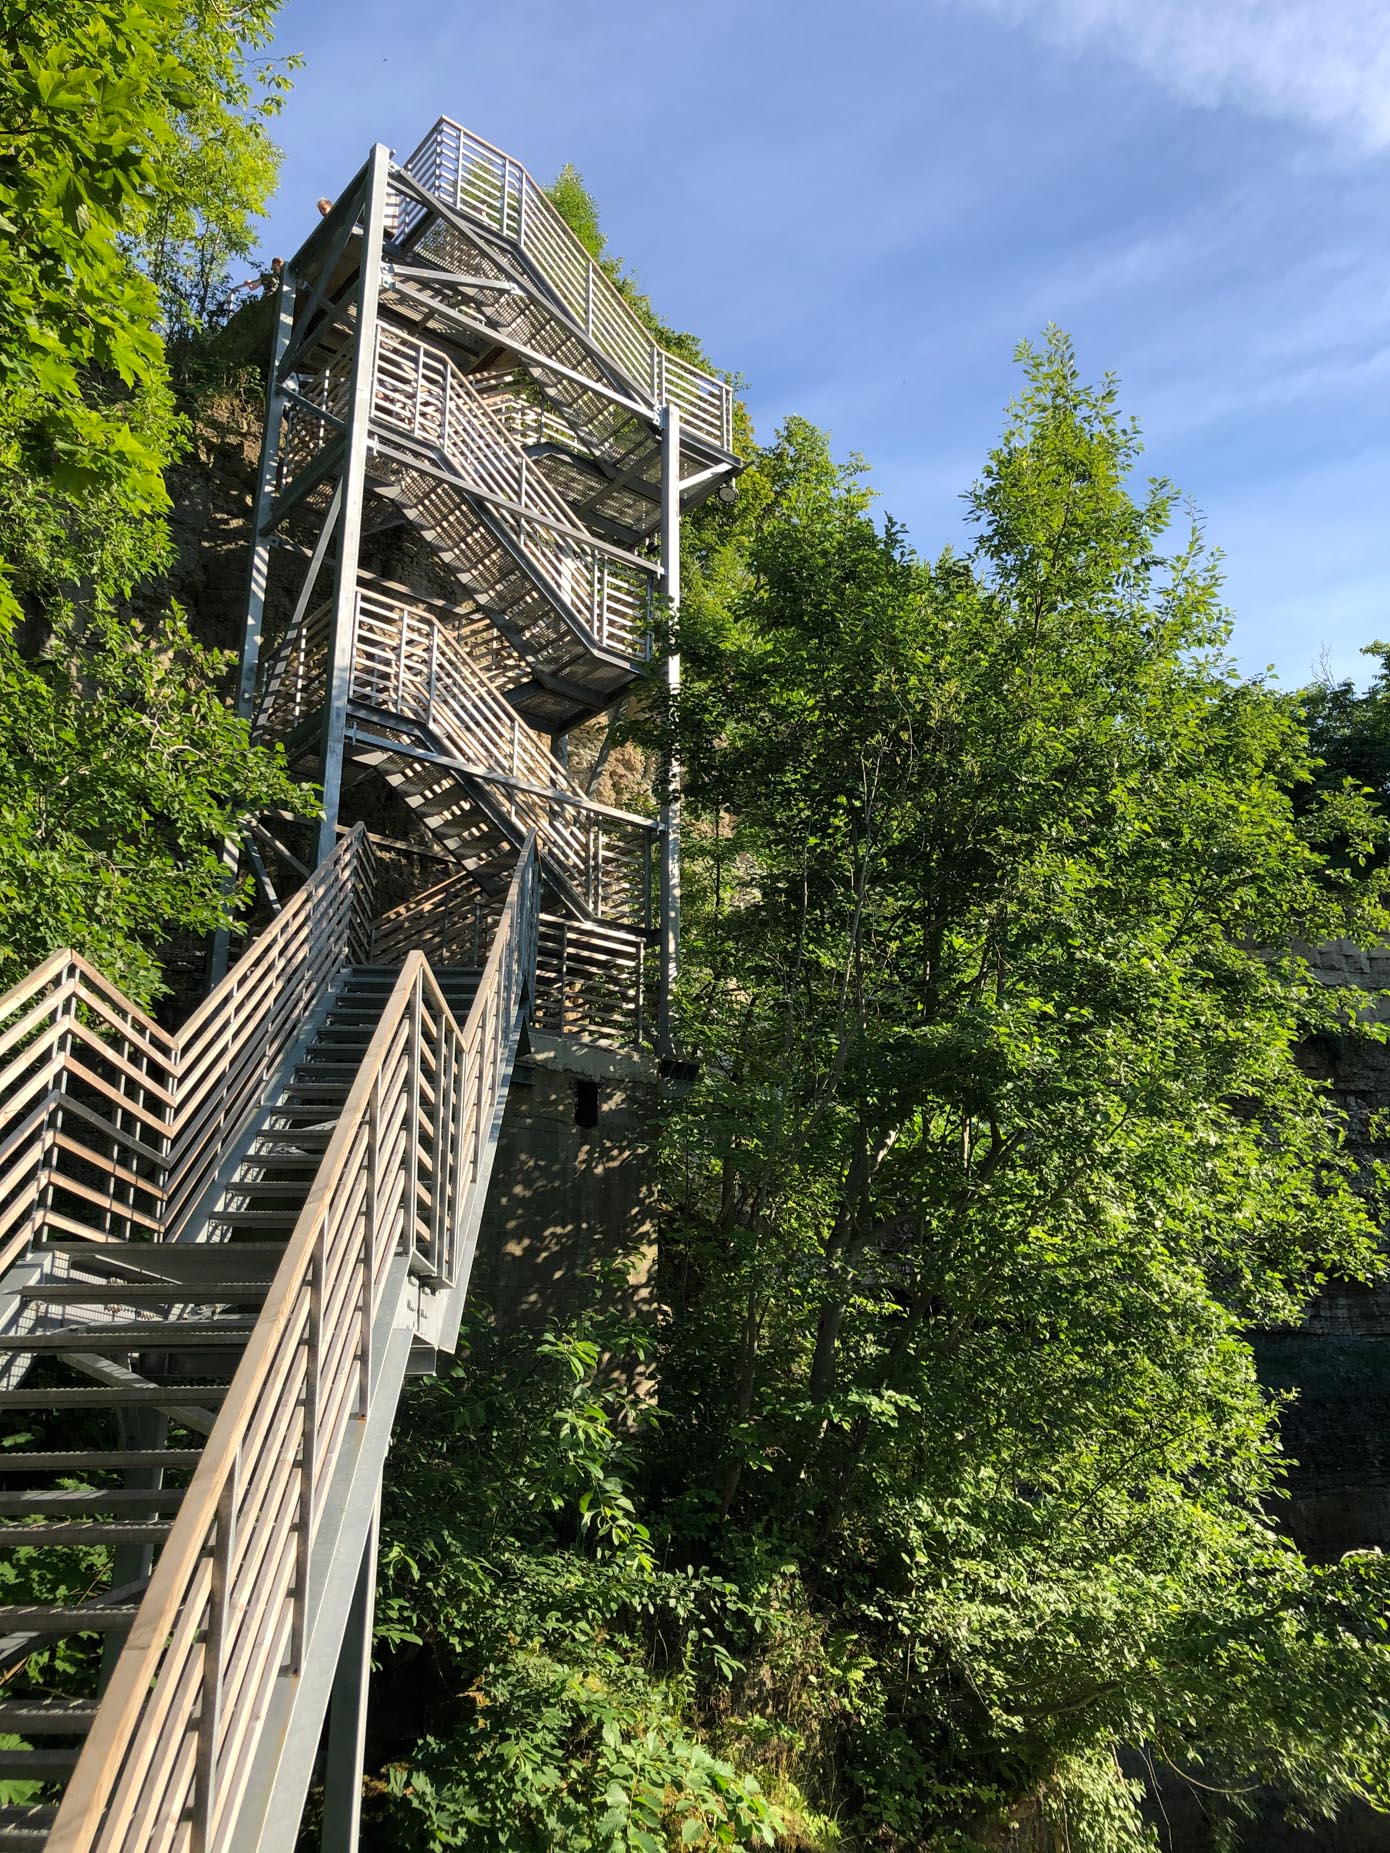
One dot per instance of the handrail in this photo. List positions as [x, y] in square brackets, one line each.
[473, 177]
[418, 388]
[228, 1604]
[588, 976]
[404, 663]
[102, 1110]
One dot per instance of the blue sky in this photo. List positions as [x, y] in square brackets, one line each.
[863, 205]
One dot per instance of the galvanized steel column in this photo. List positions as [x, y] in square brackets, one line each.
[670, 845]
[353, 485]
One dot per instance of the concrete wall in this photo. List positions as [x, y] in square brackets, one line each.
[566, 1193]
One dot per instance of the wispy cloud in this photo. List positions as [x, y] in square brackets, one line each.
[1322, 63]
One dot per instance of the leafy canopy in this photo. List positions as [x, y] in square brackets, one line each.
[1001, 1141]
[1000, 1146]
[132, 145]
[125, 128]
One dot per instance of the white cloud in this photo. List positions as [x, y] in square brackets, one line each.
[1322, 63]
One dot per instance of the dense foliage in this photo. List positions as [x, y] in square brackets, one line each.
[133, 157]
[1349, 730]
[1000, 1147]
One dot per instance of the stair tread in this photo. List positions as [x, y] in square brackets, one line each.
[36, 1763]
[25, 1827]
[87, 1531]
[151, 1255]
[154, 1335]
[250, 1218]
[46, 1714]
[104, 1617]
[78, 1460]
[90, 1499]
[92, 1293]
[103, 1396]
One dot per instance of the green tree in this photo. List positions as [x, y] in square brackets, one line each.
[133, 157]
[579, 209]
[125, 130]
[1000, 1144]
[542, 1670]
[1349, 729]
[121, 772]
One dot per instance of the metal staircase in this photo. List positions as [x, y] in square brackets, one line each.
[223, 1250]
[436, 726]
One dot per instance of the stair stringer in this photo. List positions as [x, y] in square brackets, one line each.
[412, 1311]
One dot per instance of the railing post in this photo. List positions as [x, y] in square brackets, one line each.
[214, 1640]
[266, 483]
[308, 1460]
[53, 1118]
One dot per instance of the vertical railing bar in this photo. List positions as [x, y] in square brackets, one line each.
[210, 1713]
[368, 1251]
[308, 1460]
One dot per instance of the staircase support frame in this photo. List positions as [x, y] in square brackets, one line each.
[352, 486]
[670, 886]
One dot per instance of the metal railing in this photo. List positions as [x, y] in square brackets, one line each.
[588, 976]
[471, 176]
[227, 1609]
[404, 663]
[112, 1127]
[418, 389]
[86, 1109]
[451, 923]
[589, 981]
[236, 1040]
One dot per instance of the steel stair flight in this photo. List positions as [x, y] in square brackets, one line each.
[222, 1252]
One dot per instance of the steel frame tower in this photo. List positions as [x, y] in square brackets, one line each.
[475, 463]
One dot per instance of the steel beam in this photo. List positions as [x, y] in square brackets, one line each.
[669, 891]
[259, 579]
[347, 1712]
[353, 488]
